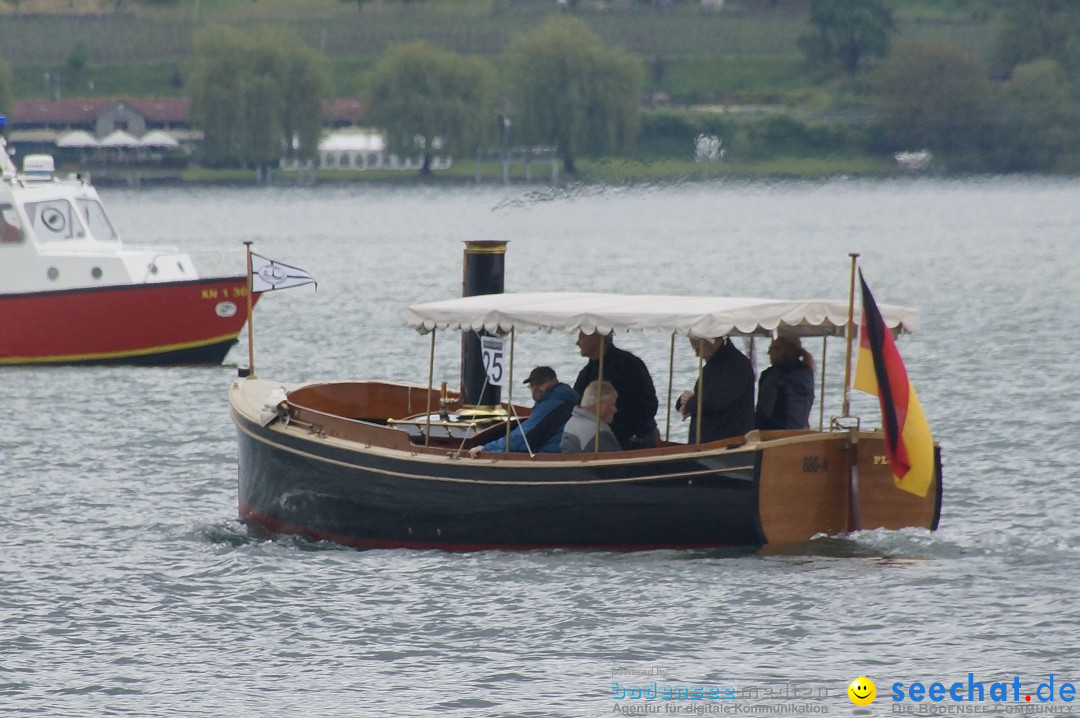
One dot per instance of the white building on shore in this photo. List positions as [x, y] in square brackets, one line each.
[356, 149]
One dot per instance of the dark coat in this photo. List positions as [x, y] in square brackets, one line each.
[636, 406]
[785, 396]
[728, 403]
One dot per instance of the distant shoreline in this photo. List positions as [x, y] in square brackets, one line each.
[611, 171]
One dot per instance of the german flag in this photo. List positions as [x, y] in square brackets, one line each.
[880, 371]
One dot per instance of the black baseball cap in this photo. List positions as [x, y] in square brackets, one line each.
[540, 374]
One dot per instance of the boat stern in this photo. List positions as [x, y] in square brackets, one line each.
[836, 483]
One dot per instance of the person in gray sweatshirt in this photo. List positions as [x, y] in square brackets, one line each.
[580, 433]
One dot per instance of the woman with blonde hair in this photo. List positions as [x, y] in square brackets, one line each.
[786, 389]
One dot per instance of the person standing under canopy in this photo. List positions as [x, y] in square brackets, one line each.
[727, 397]
[634, 424]
[786, 389]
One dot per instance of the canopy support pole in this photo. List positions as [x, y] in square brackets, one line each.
[821, 398]
[599, 394]
[670, 380]
[699, 394]
[850, 336]
[510, 395]
[430, 387]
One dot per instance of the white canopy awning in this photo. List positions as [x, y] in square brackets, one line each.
[158, 138]
[119, 138]
[688, 316]
[77, 138]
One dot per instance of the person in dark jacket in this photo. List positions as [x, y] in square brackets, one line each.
[542, 430]
[726, 390]
[786, 389]
[635, 421]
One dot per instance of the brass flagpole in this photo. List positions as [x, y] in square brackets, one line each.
[854, 510]
[250, 315]
[850, 335]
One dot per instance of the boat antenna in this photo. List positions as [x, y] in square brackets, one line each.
[850, 335]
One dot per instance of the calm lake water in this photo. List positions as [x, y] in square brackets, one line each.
[129, 587]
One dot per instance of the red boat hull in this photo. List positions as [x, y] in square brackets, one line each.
[189, 322]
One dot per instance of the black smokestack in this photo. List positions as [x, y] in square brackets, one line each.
[483, 273]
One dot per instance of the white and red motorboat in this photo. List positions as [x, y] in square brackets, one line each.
[72, 293]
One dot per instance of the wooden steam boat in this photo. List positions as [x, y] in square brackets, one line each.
[383, 464]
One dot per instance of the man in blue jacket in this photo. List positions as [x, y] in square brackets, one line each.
[542, 431]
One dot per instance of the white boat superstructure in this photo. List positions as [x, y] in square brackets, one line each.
[72, 293]
[55, 235]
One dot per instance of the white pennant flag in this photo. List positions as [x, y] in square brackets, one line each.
[267, 275]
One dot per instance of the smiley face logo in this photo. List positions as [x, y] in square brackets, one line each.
[862, 691]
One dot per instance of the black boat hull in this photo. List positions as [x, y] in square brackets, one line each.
[326, 463]
[291, 486]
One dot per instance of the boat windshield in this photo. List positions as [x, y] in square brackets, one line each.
[54, 219]
[96, 219]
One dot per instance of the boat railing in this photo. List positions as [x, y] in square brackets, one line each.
[340, 427]
[208, 263]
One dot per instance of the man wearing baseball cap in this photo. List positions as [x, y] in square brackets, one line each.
[542, 431]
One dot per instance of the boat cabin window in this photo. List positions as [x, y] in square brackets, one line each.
[96, 220]
[54, 219]
[10, 225]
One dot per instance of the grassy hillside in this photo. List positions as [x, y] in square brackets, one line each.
[746, 52]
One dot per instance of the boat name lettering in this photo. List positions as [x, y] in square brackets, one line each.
[224, 293]
[814, 464]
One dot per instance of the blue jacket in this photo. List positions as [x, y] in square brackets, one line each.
[544, 425]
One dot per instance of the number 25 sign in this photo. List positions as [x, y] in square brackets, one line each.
[493, 351]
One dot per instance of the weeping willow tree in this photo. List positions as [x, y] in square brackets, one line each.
[429, 100]
[257, 97]
[572, 91]
[7, 82]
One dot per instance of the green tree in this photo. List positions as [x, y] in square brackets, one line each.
[76, 60]
[846, 31]
[256, 97]
[934, 97]
[429, 100]
[573, 92]
[1039, 119]
[1034, 29]
[7, 84]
